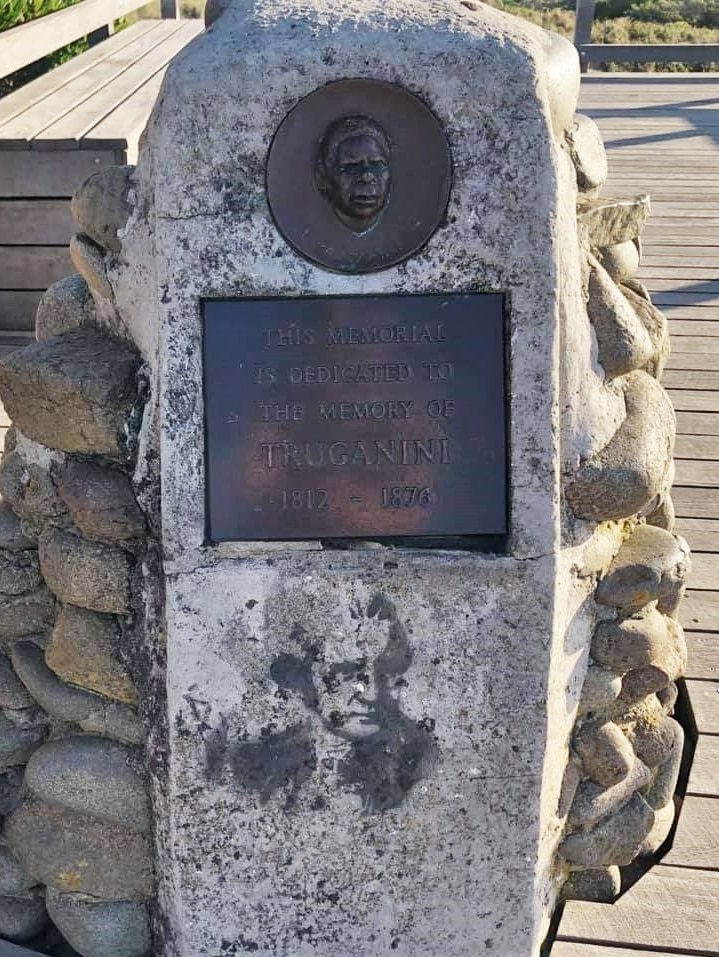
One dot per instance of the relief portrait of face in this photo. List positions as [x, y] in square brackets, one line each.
[353, 171]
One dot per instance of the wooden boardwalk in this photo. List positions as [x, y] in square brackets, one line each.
[662, 135]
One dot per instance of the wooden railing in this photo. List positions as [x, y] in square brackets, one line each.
[633, 52]
[27, 43]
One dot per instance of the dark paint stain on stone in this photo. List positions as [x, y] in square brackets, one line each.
[384, 765]
[240, 946]
[276, 761]
[386, 752]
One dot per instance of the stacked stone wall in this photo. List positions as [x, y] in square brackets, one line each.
[76, 849]
[626, 750]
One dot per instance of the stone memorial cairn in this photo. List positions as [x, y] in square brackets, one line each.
[537, 686]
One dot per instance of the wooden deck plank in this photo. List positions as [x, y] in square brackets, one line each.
[691, 361]
[39, 222]
[68, 99]
[695, 502]
[697, 423]
[704, 773]
[48, 176]
[691, 344]
[704, 575]
[695, 379]
[35, 91]
[17, 309]
[684, 312]
[683, 244]
[70, 129]
[701, 533]
[563, 948]
[699, 611]
[704, 697]
[693, 327]
[678, 273]
[661, 253]
[697, 447]
[34, 267]
[678, 286]
[703, 474]
[689, 400]
[130, 117]
[668, 908]
[29, 41]
[703, 655]
[669, 264]
[696, 841]
[687, 209]
[684, 297]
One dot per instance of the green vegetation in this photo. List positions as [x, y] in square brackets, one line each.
[631, 21]
[697, 13]
[15, 12]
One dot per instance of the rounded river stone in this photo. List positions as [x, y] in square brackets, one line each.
[92, 776]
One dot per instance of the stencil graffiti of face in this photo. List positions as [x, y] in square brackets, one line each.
[380, 752]
[358, 701]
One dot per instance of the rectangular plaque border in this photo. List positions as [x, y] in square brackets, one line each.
[490, 543]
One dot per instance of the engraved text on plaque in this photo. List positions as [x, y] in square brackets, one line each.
[355, 417]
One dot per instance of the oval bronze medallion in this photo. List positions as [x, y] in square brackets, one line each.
[358, 175]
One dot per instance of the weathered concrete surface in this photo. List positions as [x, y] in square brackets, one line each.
[360, 741]
[506, 165]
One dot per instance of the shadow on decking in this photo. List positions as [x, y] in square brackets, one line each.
[699, 114]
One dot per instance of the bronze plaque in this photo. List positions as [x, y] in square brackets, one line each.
[358, 175]
[355, 417]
